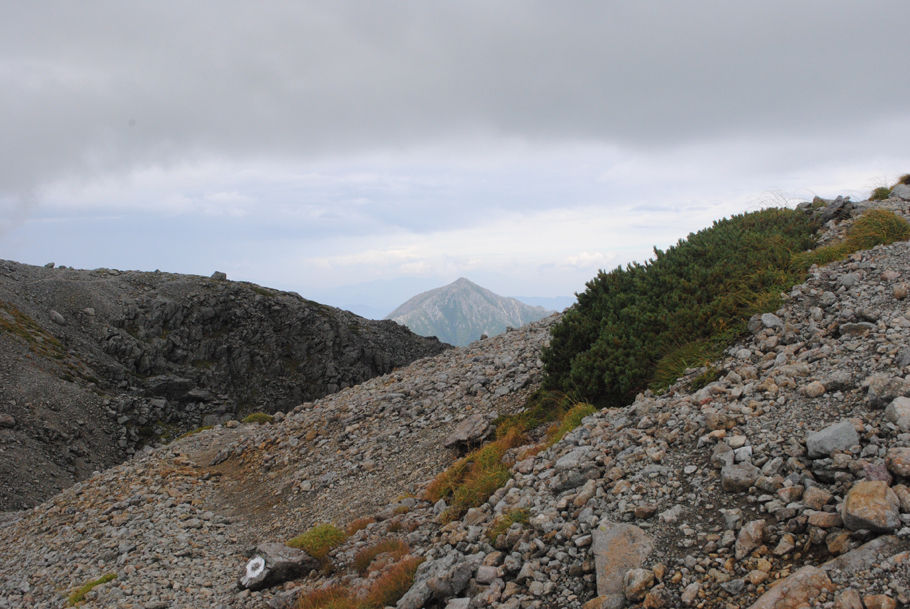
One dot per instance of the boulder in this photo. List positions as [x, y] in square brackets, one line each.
[636, 583]
[898, 461]
[749, 538]
[882, 389]
[770, 320]
[814, 389]
[796, 590]
[837, 209]
[901, 191]
[617, 548]
[898, 412]
[870, 504]
[470, 431]
[848, 599]
[275, 563]
[440, 579]
[739, 476]
[879, 601]
[839, 436]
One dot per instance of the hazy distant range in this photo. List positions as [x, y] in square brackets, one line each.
[376, 299]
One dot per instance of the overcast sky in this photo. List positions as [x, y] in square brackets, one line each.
[357, 152]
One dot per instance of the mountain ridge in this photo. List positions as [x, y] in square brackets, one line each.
[463, 311]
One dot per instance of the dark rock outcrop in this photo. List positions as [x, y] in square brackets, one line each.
[96, 364]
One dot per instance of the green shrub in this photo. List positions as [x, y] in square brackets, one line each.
[78, 595]
[684, 302]
[880, 194]
[904, 179]
[258, 417]
[319, 540]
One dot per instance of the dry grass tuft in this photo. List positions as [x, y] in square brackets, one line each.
[333, 597]
[394, 546]
[383, 592]
[472, 479]
[359, 524]
[392, 584]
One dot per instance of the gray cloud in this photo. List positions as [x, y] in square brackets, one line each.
[93, 88]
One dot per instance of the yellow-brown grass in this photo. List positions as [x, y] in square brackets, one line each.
[392, 545]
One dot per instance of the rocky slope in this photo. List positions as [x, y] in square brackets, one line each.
[781, 483]
[94, 364]
[176, 523]
[463, 311]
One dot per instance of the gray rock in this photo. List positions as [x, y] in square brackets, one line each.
[849, 280]
[486, 574]
[837, 209]
[7, 421]
[898, 412]
[901, 191]
[859, 328]
[839, 436]
[837, 380]
[883, 388]
[739, 476]
[219, 276]
[770, 320]
[470, 431]
[57, 318]
[749, 538]
[440, 579]
[275, 563]
[574, 459]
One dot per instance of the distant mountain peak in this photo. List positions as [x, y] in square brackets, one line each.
[462, 311]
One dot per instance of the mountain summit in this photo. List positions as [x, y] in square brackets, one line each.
[462, 311]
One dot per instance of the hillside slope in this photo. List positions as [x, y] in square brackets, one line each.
[781, 483]
[95, 364]
[462, 311]
[176, 523]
